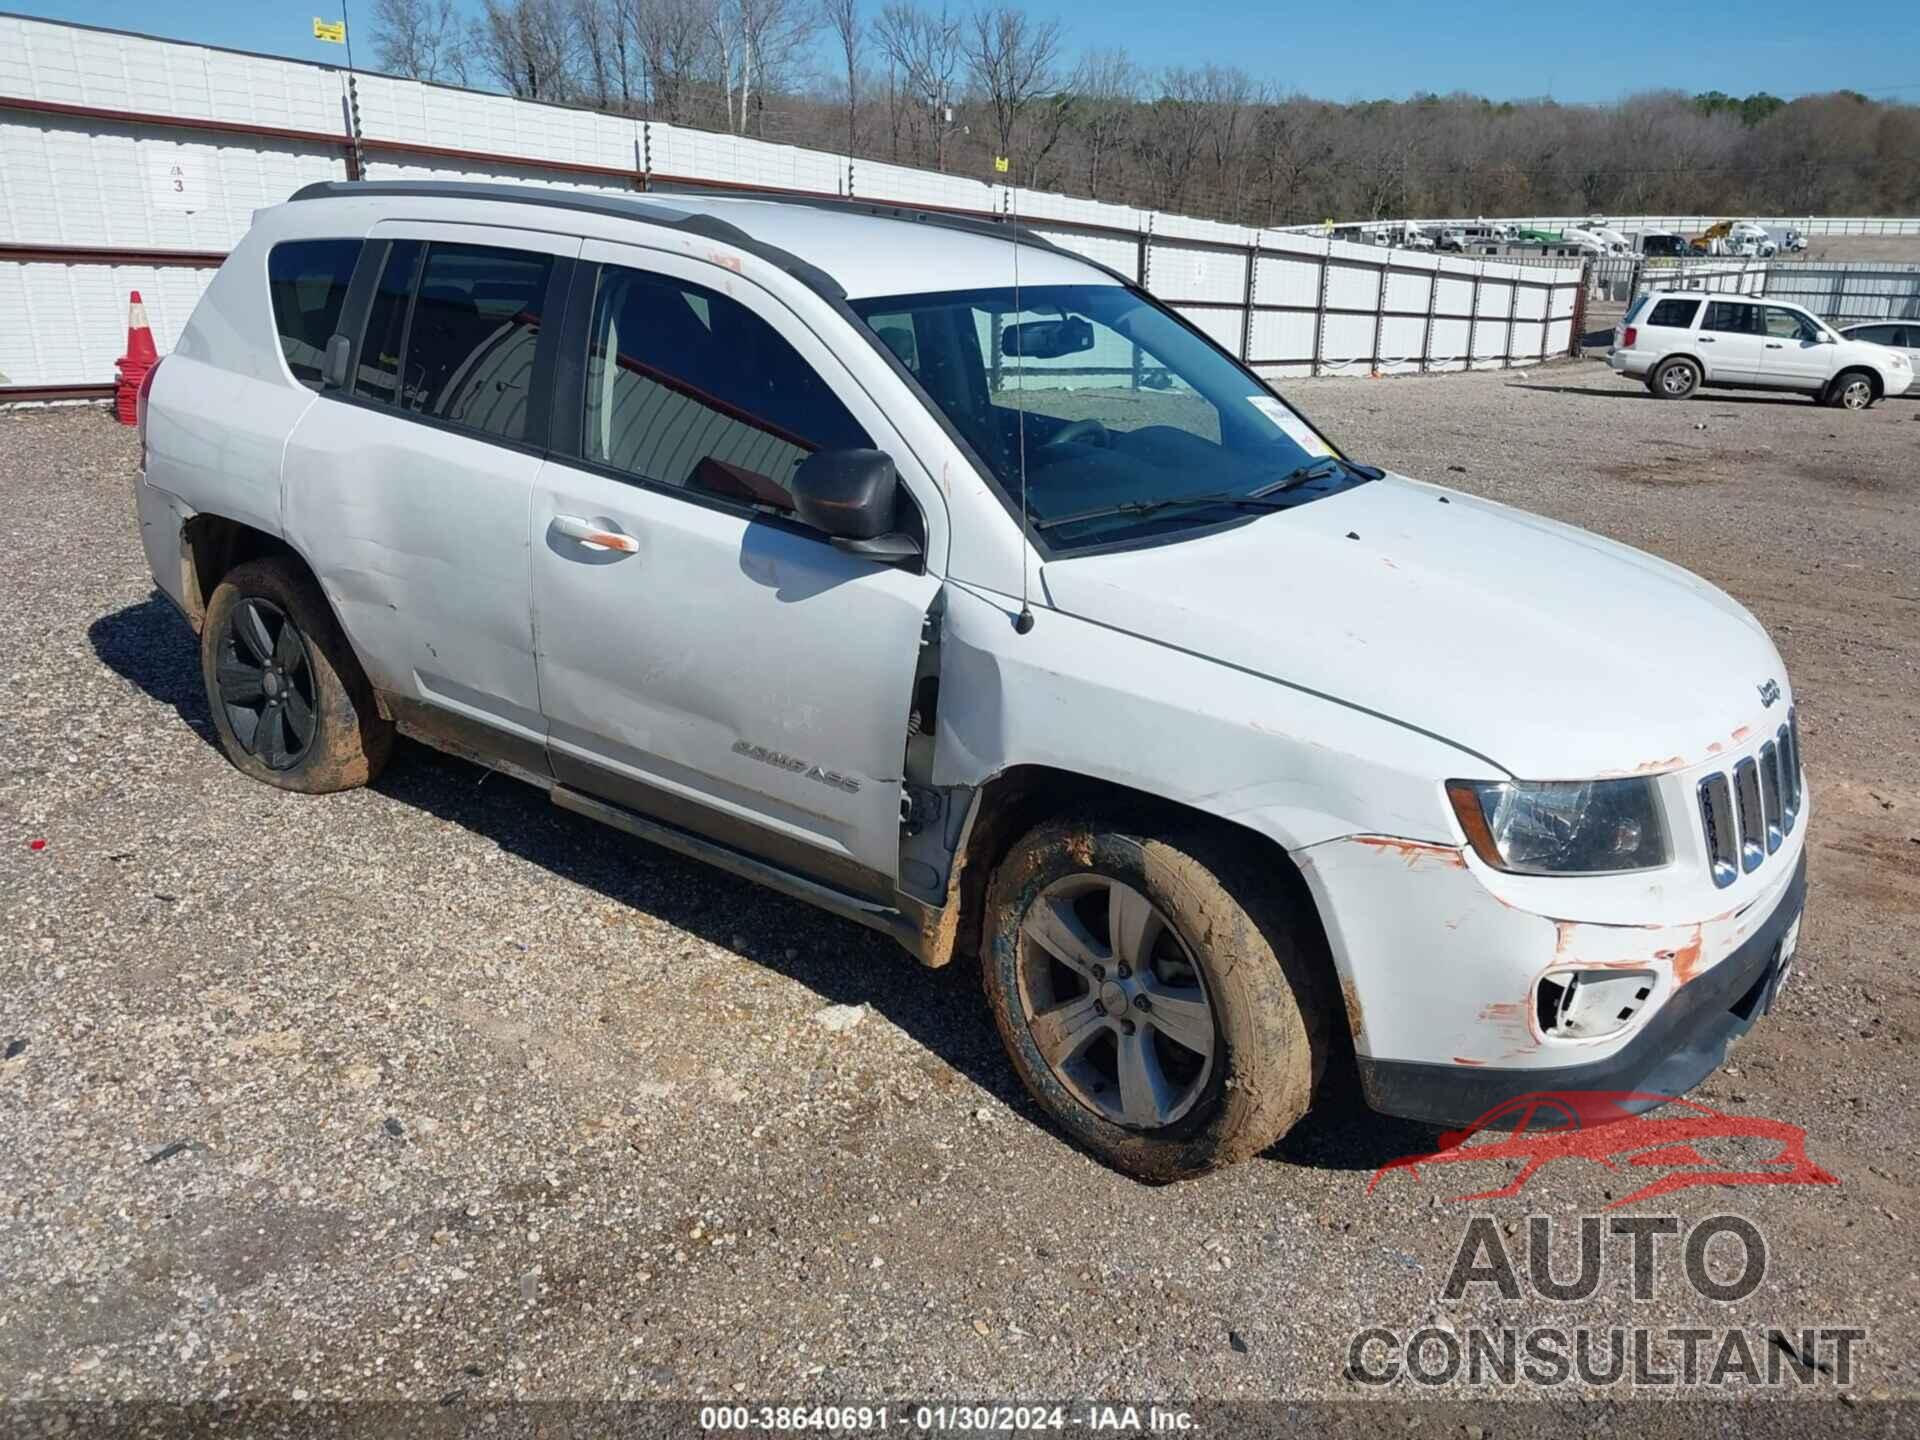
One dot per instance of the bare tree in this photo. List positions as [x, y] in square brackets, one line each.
[1013, 61]
[754, 41]
[1173, 132]
[419, 39]
[843, 20]
[672, 37]
[528, 47]
[610, 71]
[924, 53]
[1107, 93]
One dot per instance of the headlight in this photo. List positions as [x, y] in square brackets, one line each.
[1898, 361]
[1562, 827]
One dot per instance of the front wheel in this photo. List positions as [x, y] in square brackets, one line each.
[1675, 379]
[1162, 1005]
[1852, 390]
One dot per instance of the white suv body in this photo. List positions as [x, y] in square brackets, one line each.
[1678, 341]
[706, 515]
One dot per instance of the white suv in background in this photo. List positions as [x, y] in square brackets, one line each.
[1679, 341]
[1022, 624]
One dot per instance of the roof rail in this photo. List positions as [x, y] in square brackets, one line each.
[623, 207]
[644, 206]
[883, 210]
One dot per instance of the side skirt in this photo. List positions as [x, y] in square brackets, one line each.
[851, 907]
[910, 925]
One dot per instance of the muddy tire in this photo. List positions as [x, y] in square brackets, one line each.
[289, 700]
[1157, 997]
[1674, 380]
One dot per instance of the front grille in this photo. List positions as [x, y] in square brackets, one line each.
[1747, 814]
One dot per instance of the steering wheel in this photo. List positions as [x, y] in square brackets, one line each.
[1077, 430]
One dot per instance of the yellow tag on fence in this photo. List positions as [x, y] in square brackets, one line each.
[333, 30]
[1000, 164]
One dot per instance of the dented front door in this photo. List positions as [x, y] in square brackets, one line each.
[702, 662]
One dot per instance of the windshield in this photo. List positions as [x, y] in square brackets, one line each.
[1134, 426]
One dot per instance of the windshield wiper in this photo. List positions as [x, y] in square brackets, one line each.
[1260, 499]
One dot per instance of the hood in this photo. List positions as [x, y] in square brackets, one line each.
[1554, 653]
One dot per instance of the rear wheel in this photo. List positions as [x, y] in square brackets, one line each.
[1161, 1005]
[289, 701]
[1851, 390]
[1674, 379]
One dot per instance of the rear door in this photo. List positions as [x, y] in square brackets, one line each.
[1731, 342]
[408, 489]
[704, 658]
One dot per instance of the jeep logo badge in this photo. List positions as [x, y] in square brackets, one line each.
[1769, 692]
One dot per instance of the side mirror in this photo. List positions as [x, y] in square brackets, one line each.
[850, 496]
[333, 363]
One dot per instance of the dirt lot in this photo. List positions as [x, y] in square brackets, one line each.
[433, 1092]
[1904, 248]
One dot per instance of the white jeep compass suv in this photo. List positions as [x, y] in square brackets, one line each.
[948, 580]
[1679, 341]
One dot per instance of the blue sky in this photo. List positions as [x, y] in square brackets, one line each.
[1379, 48]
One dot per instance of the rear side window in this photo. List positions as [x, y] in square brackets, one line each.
[1676, 313]
[306, 285]
[1639, 304]
[470, 341]
[687, 387]
[1731, 318]
[386, 332]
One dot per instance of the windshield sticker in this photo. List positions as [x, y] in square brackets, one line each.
[1296, 429]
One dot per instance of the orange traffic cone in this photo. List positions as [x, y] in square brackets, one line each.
[133, 366]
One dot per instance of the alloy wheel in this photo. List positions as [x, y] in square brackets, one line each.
[1114, 1002]
[1857, 395]
[1677, 380]
[265, 680]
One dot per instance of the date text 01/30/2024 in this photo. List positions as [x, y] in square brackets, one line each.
[934, 1419]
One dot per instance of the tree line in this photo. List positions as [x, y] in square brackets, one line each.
[953, 89]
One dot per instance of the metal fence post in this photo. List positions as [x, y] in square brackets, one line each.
[1380, 317]
[350, 105]
[1320, 310]
[1246, 315]
[1579, 325]
[1473, 313]
[1433, 299]
[1513, 310]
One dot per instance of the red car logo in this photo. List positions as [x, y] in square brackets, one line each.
[1596, 1125]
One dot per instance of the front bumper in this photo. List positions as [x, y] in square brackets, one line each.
[1684, 1041]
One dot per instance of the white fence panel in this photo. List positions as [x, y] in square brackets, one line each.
[139, 184]
[71, 320]
[97, 183]
[1186, 272]
[1109, 250]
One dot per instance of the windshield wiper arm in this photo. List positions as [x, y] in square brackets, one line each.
[1261, 499]
[1149, 507]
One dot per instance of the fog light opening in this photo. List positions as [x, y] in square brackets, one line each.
[1584, 1004]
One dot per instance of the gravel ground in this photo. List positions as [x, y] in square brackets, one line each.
[430, 1091]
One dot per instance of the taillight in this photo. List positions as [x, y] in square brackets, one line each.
[140, 407]
[1627, 339]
